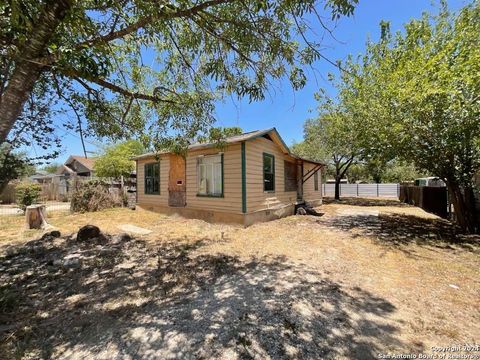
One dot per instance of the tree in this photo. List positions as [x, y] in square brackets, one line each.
[12, 166]
[145, 66]
[331, 138]
[420, 91]
[51, 168]
[116, 160]
[399, 171]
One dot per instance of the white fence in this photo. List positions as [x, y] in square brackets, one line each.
[364, 190]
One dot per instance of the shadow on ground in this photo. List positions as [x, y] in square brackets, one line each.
[134, 300]
[365, 202]
[400, 229]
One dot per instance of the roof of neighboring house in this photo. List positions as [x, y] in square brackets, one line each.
[251, 135]
[87, 162]
[62, 169]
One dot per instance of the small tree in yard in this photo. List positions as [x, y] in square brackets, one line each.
[27, 194]
[419, 90]
[331, 138]
[116, 160]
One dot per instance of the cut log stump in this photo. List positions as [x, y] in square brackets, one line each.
[36, 217]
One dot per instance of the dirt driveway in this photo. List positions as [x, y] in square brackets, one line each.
[365, 279]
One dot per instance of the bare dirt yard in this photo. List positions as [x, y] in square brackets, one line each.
[367, 278]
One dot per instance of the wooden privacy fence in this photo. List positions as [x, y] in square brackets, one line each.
[430, 198]
[364, 190]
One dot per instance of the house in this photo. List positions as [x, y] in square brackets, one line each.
[77, 166]
[41, 177]
[254, 177]
[58, 182]
[430, 181]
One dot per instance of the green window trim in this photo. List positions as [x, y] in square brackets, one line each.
[221, 195]
[272, 173]
[151, 187]
[315, 180]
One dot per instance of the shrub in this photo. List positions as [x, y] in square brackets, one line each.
[27, 194]
[92, 196]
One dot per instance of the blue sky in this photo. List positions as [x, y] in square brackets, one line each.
[287, 110]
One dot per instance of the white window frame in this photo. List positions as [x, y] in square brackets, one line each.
[215, 182]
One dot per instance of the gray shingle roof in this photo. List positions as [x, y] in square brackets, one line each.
[231, 140]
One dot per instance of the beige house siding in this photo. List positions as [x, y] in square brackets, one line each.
[309, 193]
[257, 199]
[260, 205]
[232, 181]
[162, 198]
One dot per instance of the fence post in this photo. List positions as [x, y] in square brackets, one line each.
[377, 190]
[357, 189]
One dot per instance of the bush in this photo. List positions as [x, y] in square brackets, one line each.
[92, 196]
[27, 194]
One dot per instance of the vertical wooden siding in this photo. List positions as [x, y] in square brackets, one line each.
[257, 199]
[232, 181]
[162, 198]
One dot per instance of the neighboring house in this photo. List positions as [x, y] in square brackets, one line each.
[77, 165]
[253, 178]
[41, 177]
[430, 181]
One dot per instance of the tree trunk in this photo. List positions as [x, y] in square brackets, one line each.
[36, 217]
[464, 206]
[27, 66]
[337, 187]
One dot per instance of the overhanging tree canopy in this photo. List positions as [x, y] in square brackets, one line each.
[127, 66]
[416, 94]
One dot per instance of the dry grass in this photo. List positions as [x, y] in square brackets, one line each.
[12, 228]
[366, 277]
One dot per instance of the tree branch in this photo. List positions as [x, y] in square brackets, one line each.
[147, 19]
[115, 88]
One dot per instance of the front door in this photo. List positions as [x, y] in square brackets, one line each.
[176, 181]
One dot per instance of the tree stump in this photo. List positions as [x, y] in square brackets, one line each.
[36, 217]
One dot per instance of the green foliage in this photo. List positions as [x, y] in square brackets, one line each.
[415, 95]
[203, 51]
[51, 168]
[398, 172]
[418, 92]
[93, 196]
[393, 171]
[12, 166]
[116, 161]
[333, 138]
[27, 194]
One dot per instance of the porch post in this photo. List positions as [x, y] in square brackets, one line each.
[299, 180]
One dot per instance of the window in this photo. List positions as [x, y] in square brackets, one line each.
[268, 172]
[152, 178]
[210, 175]
[315, 180]
[290, 170]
